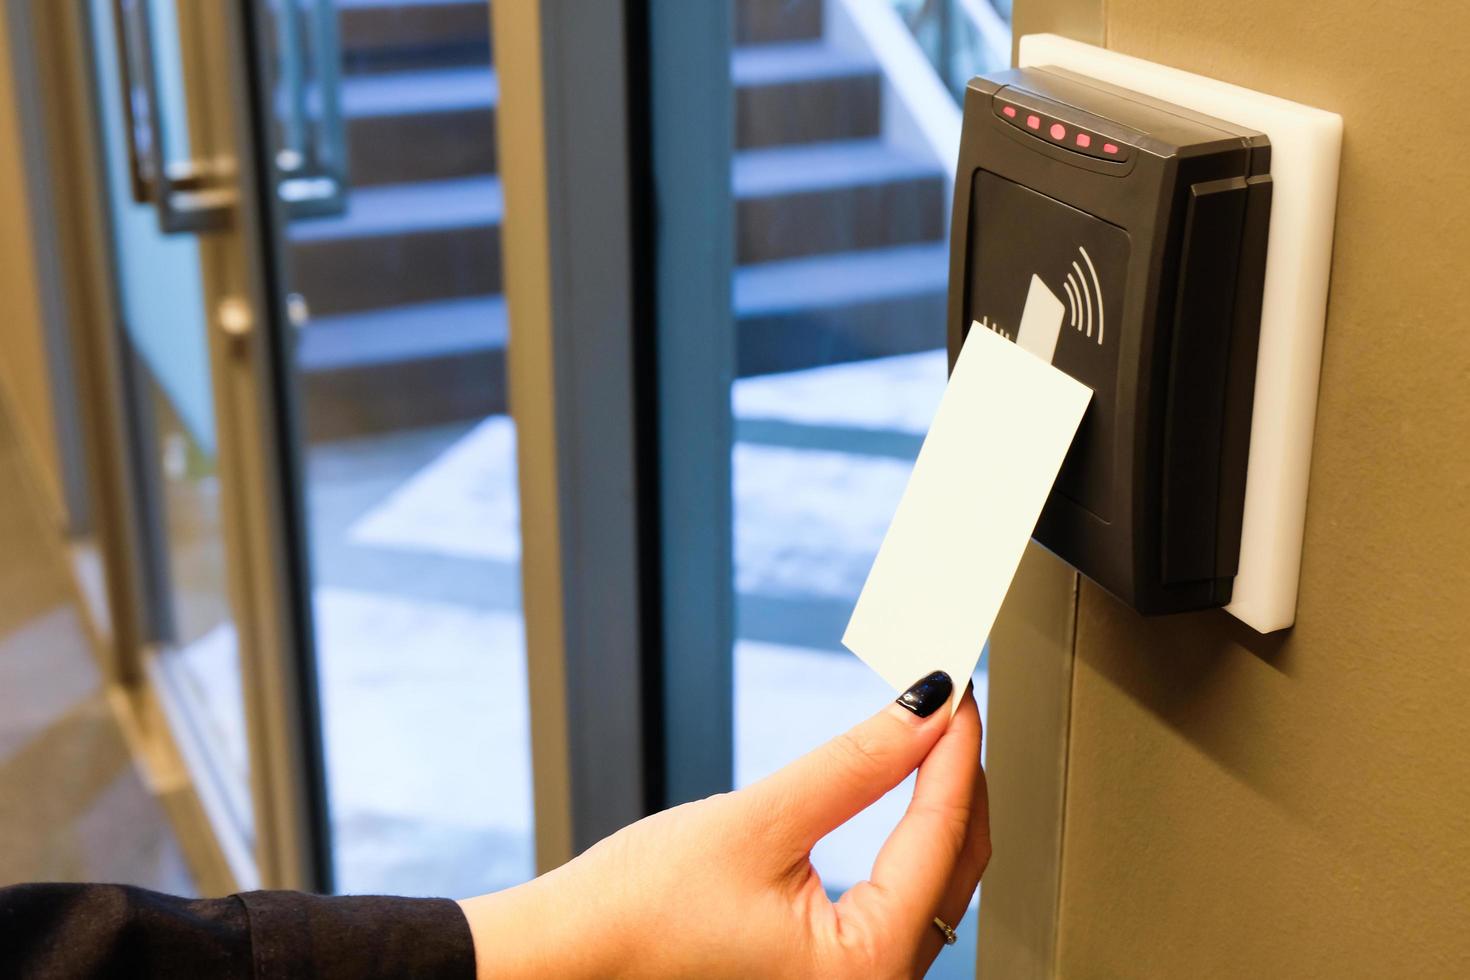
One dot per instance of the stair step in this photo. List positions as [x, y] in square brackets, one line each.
[761, 21]
[440, 123]
[401, 243]
[411, 208]
[802, 92]
[404, 243]
[382, 35]
[430, 363]
[433, 90]
[398, 334]
[425, 125]
[403, 367]
[827, 309]
[839, 234]
[833, 197]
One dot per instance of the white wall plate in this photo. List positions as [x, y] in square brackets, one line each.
[1305, 146]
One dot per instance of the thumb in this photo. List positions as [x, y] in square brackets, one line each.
[828, 786]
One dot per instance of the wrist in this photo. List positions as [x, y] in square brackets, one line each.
[546, 927]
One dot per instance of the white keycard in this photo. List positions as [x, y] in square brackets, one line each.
[985, 469]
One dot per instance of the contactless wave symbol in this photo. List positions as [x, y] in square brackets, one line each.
[1084, 297]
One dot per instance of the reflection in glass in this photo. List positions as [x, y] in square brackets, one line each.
[202, 656]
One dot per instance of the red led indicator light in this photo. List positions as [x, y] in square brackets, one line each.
[1058, 131]
[1083, 140]
[1110, 148]
[1009, 111]
[1033, 121]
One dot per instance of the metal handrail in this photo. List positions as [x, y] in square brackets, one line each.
[191, 195]
[960, 38]
[311, 158]
[993, 26]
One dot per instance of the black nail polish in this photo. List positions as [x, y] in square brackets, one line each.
[928, 694]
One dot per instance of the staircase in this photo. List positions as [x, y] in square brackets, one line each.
[839, 235]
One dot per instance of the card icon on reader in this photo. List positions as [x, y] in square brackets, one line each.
[1041, 320]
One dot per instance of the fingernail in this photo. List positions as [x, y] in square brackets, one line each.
[928, 694]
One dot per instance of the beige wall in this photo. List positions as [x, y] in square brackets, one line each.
[1299, 806]
[24, 379]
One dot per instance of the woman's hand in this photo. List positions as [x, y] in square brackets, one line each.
[725, 887]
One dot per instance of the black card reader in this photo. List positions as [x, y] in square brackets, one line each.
[1128, 235]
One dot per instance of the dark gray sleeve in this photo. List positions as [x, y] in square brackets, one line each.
[64, 931]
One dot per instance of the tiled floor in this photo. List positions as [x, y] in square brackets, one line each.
[72, 805]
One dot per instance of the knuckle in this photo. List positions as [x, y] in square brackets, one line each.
[859, 752]
[951, 821]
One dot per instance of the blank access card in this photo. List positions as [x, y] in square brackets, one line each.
[986, 467]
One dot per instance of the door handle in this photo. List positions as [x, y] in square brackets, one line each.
[137, 118]
[190, 195]
[311, 162]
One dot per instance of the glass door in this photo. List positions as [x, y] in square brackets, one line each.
[382, 289]
[307, 237]
[384, 238]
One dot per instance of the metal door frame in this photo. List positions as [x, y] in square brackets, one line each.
[628, 601]
[259, 486]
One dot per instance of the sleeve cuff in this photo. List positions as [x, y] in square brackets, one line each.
[298, 935]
